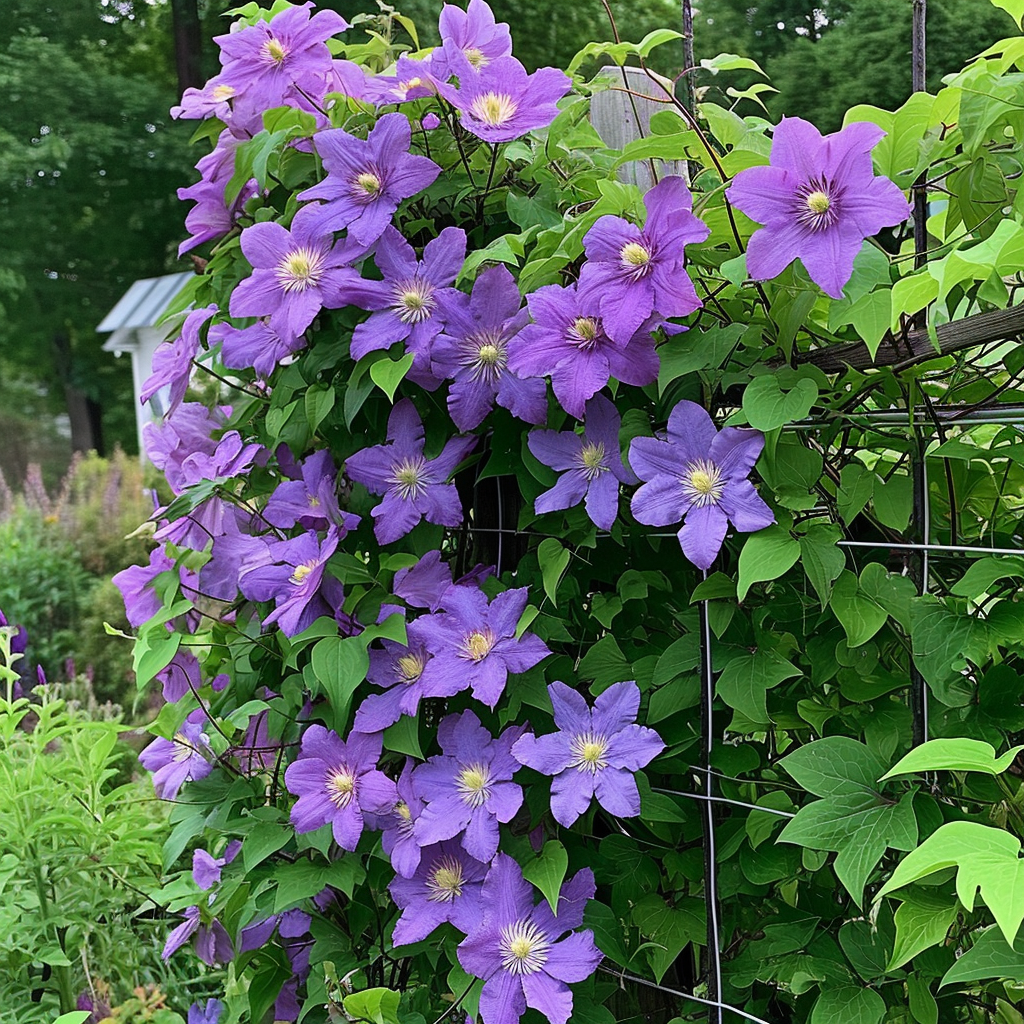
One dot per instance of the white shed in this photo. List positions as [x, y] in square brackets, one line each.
[131, 327]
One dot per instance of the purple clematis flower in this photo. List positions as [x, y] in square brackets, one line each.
[260, 347]
[475, 641]
[295, 581]
[412, 80]
[523, 951]
[473, 350]
[367, 178]
[425, 584]
[277, 60]
[447, 886]
[699, 473]
[309, 499]
[591, 464]
[501, 102]
[594, 753]
[141, 602]
[569, 344]
[184, 758]
[172, 361]
[398, 839]
[632, 273]
[407, 674]
[206, 868]
[472, 34]
[413, 486]
[818, 200]
[296, 272]
[405, 302]
[210, 1014]
[213, 944]
[336, 781]
[183, 674]
[468, 789]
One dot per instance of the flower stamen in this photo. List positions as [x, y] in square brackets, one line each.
[341, 785]
[702, 483]
[300, 269]
[523, 947]
[494, 108]
[414, 301]
[409, 477]
[589, 751]
[445, 880]
[474, 784]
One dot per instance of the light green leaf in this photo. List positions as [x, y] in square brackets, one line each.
[744, 682]
[848, 1004]
[990, 957]
[920, 924]
[956, 754]
[267, 837]
[379, 1005]
[835, 766]
[870, 315]
[987, 861]
[1014, 8]
[340, 665]
[387, 374]
[984, 572]
[730, 62]
[547, 871]
[74, 1017]
[859, 616]
[553, 559]
[766, 555]
[319, 402]
[767, 406]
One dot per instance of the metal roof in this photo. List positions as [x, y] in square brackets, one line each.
[144, 302]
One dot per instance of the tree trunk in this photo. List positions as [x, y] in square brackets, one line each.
[188, 44]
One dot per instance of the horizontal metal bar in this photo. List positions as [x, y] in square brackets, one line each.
[917, 417]
[951, 548]
[724, 800]
[622, 976]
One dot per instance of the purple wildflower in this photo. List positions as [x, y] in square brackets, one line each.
[413, 486]
[260, 347]
[183, 674]
[405, 302]
[407, 674]
[275, 61]
[311, 500]
[335, 781]
[206, 868]
[699, 473]
[212, 942]
[189, 429]
[818, 200]
[446, 886]
[473, 351]
[172, 361]
[475, 641]
[398, 839]
[412, 80]
[367, 178]
[141, 602]
[425, 584]
[591, 464]
[211, 1014]
[633, 273]
[501, 102]
[522, 951]
[468, 788]
[184, 758]
[567, 343]
[594, 753]
[295, 581]
[296, 272]
[473, 34]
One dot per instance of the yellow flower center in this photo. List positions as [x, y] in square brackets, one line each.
[818, 202]
[489, 355]
[523, 947]
[474, 784]
[369, 183]
[341, 784]
[445, 880]
[478, 645]
[410, 667]
[633, 254]
[414, 301]
[585, 328]
[493, 108]
[298, 577]
[409, 478]
[301, 269]
[402, 810]
[476, 58]
[183, 748]
[588, 752]
[592, 457]
[703, 483]
[274, 50]
[223, 92]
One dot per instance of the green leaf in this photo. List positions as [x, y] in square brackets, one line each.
[766, 555]
[379, 1005]
[744, 682]
[730, 62]
[1015, 9]
[835, 766]
[955, 754]
[696, 350]
[821, 559]
[990, 957]
[340, 665]
[319, 402]
[553, 559]
[266, 838]
[870, 315]
[74, 1017]
[547, 871]
[987, 861]
[669, 928]
[984, 572]
[893, 501]
[940, 639]
[848, 1004]
[767, 406]
[154, 650]
[920, 924]
[859, 616]
[605, 664]
[387, 374]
